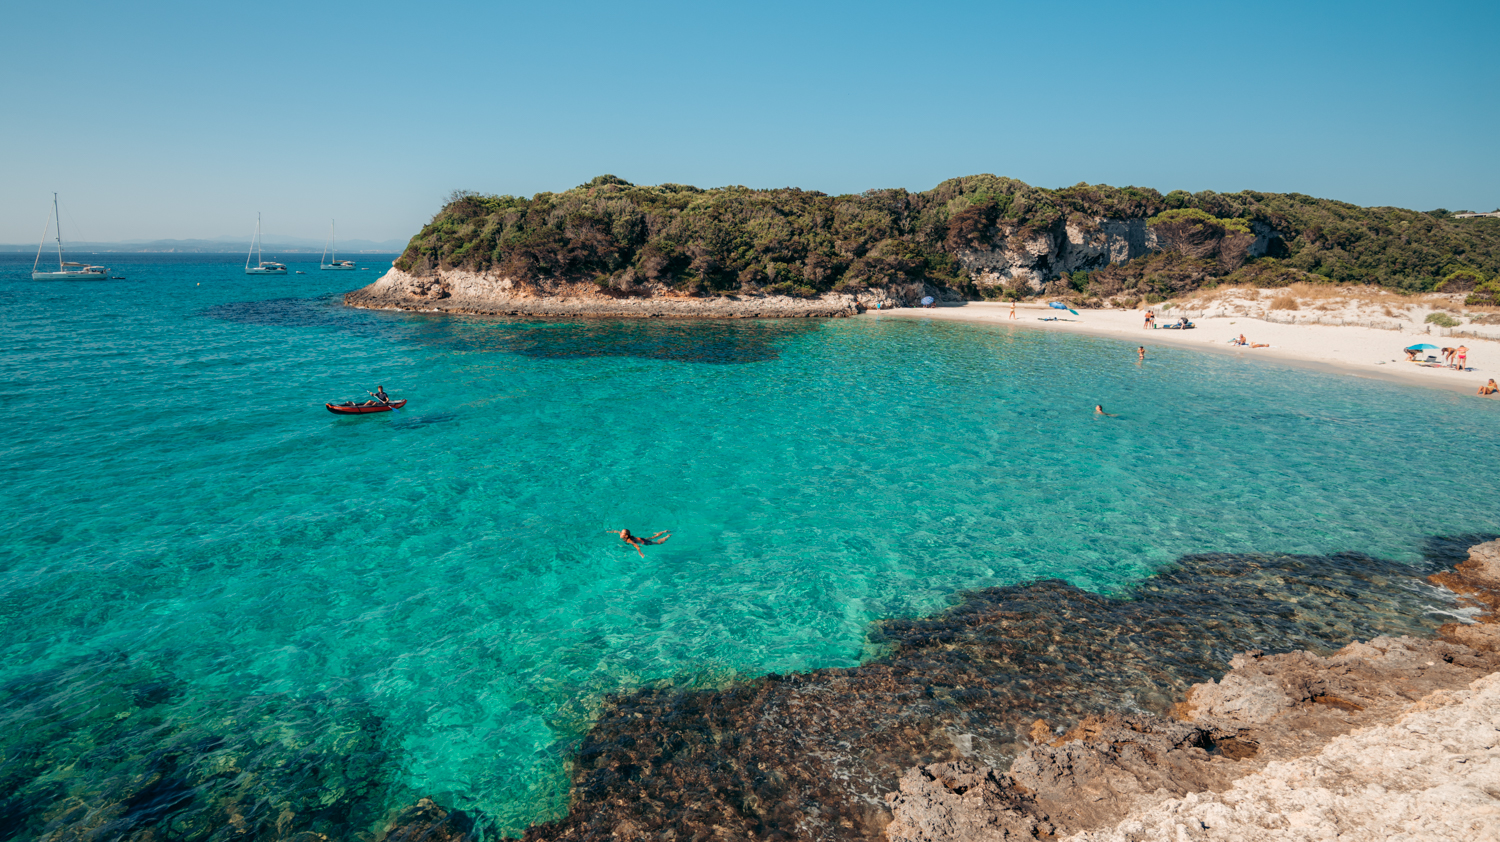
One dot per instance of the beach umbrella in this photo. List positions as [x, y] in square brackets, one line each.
[1423, 347]
[926, 300]
[1058, 305]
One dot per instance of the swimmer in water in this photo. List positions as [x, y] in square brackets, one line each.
[1142, 351]
[1099, 410]
[638, 542]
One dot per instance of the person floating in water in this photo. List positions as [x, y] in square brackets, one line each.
[1099, 410]
[638, 542]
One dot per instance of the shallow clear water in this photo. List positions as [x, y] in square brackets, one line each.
[179, 502]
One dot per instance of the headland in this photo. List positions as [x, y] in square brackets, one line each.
[613, 248]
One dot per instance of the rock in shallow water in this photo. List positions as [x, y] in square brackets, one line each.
[812, 756]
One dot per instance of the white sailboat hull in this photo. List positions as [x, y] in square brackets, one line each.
[71, 276]
[337, 268]
[256, 270]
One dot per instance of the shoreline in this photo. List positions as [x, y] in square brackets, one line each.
[1356, 351]
[474, 294]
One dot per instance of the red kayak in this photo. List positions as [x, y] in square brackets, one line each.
[350, 408]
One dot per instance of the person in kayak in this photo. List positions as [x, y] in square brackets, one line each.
[380, 396]
[638, 542]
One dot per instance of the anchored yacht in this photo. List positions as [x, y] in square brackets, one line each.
[66, 269]
[330, 252]
[261, 267]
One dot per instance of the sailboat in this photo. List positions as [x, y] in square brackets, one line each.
[261, 267]
[331, 251]
[66, 270]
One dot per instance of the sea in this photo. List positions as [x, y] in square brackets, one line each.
[214, 590]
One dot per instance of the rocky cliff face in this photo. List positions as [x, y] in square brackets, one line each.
[1030, 262]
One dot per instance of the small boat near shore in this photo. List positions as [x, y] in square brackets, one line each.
[66, 269]
[352, 408]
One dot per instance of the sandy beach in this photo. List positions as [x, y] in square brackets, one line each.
[1358, 351]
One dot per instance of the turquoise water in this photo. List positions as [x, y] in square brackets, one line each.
[182, 513]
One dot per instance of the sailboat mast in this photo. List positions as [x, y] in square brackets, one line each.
[259, 258]
[59, 232]
[41, 244]
[333, 235]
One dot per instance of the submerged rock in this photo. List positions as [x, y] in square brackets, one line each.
[813, 756]
[426, 821]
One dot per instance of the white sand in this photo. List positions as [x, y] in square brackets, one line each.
[1359, 351]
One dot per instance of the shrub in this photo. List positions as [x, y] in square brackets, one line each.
[1285, 302]
[1461, 280]
[1486, 294]
[1442, 319]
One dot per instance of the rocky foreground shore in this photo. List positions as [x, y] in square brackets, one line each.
[1397, 737]
[461, 292]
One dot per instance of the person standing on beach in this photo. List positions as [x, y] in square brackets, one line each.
[1463, 358]
[1013, 309]
[1149, 317]
[1448, 355]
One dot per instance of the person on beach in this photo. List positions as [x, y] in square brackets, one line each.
[1448, 355]
[1241, 341]
[1411, 354]
[1013, 309]
[1142, 351]
[1462, 355]
[1099, 410]
[1150, 317]
[1260, 345]
[638, 542]
[1489, 388]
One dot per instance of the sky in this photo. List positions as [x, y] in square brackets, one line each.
[183, 120]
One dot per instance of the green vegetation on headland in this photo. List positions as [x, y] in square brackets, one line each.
[625, 238]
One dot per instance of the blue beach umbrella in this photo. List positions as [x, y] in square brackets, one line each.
[926, 300]
[1423, 347]
[1058, 305]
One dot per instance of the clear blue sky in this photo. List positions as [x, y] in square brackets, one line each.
[183, 119]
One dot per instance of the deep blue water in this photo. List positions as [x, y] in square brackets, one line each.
[186, 525]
